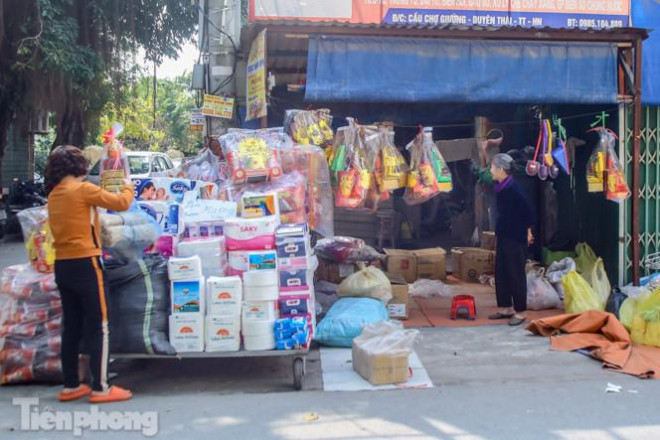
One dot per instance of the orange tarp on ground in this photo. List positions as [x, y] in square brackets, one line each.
[606, 339]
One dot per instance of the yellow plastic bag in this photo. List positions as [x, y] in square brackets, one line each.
[645, 329]
[627, 312]
[585, 260]
[579, 295]
[369, 282]
[599, 280]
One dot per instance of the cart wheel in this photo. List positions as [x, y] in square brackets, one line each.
[298, 373]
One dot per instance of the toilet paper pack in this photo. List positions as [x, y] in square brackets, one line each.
[251, 234]
[187, 332]
[224, 295]
[259, 311]
[188, 296]
[262, 260]
[223, 333]
[211, 252]
[184, 268]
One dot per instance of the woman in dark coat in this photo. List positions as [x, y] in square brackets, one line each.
[513, 229]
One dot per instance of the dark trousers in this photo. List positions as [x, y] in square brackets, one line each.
[510, 277]
[85, 318]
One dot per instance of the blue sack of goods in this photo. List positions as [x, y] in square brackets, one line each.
[346, 318]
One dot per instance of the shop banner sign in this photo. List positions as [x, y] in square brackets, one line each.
[197, 120]
[218, 106]
[256, 78]
[571, 14]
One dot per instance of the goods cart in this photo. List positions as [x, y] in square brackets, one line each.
[298, 359]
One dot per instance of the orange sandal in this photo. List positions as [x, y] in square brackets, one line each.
[81, 391]
[114, 394]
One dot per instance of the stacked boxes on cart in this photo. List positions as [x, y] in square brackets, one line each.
[247, 279]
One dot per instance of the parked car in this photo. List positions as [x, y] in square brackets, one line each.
[142, 164]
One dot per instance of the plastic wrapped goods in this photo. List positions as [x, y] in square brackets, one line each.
[369, 282]
[38, 238]
[346, 319]
[346, 250]
[129, 233]
[206, 167]
[579, 295]
[254, 156]
[540, 293]
[559, 270]
[310, 127]
[645, 327]
[429, 175]
[30, 325]
[380, 353]
[114, 164]
[139, 305]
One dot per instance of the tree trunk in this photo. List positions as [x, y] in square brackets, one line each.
[71, 125]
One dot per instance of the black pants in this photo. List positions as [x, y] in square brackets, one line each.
[510, 278]
[85, 318]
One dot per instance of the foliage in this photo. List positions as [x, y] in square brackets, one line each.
[170, 130]
[42, 144]
[71, 57]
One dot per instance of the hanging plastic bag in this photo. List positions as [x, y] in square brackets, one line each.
[369, 282]
[615, 300]
[540, 293]
[354, 178]
[645, 328]
[599, 280]
[580, 296]
[114, 163]
[38, 238]
[394, 167]
[557, 271]
[585, 260]
[596, 166]
[310, 127]
[429, 174]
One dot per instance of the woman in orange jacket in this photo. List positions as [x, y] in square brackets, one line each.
[74, 222]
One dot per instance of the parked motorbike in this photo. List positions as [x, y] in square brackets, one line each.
[20, 195]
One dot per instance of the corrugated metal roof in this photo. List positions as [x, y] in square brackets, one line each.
[449, 30]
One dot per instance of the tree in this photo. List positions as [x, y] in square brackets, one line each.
[72, 56]
[135, 112]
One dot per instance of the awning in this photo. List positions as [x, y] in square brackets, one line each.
[391, 69]
[646, 14]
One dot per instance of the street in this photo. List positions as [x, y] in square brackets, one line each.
[490, 382]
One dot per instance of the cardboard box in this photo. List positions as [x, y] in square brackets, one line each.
[398, 306]
[470, 263]
[380, 369]
[402, 262]
[488, 240]
[334, 272]
[431, 264]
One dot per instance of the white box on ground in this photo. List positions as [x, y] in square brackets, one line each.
[223, 333]
[187, 332]
[184, 268]
[224, 296]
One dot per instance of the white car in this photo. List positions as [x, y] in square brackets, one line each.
[142, 164]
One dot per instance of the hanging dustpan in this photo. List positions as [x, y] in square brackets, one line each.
[560, 153]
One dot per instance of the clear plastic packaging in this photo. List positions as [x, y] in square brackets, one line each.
[114, 163]
[129, 233]
[206, 167]
[380, 353]
[346, 250]
[254, 155]
[30, 325]
[429, 175]
[310, 127]
[605, 173]
[431, 288]
[38, 238]
[350, 166]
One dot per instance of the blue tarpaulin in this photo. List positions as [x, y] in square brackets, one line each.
[371, 69]
[646, 14]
